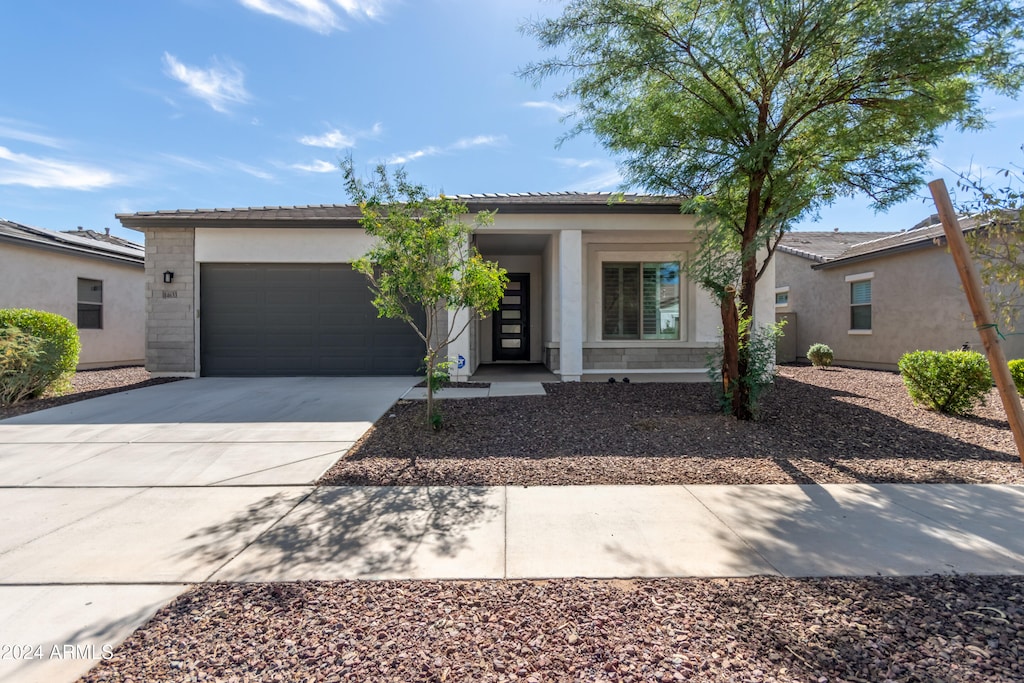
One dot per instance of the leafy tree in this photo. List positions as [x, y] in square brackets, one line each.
[997, 245]
[423, 259]
[762, 111]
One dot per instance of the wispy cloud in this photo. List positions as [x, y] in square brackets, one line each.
[247, 168]
[460, 144]
[559, 109]
[188, 162]
[321, 16]
[335, 139]
[18, 130]
[602, 174]
[318, 166]
[221, 85]
[332, 139]
[40, 172]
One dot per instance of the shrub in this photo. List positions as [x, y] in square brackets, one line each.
[1017, 372]
[820, 355]
[24, 367]
[950, 382]
[60, 344]
[759, 351]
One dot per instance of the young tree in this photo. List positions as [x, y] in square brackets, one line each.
[997, 244]
[423, 259]
[762, 111]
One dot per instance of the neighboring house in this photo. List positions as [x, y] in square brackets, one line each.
[596, 291]
[874, 296]
[94, 280]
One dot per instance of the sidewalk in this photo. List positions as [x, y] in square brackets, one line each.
[110, 557]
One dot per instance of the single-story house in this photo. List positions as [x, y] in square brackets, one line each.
[873, 296]
[596, 291]
[95, 280]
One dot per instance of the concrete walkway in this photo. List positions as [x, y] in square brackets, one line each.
[111, 507]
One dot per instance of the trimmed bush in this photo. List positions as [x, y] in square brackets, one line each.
[24, 369]
[60, 344]
[1017, 372]
[951, 382]
[820, 355]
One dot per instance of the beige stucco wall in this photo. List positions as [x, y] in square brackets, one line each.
[48, 281]
[917, 303]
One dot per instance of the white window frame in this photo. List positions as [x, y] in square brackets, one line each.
[81, 302]
[781, 290]
[851, 280]
[680, 291]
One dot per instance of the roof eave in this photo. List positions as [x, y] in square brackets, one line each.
[71, 250]
[901, 248]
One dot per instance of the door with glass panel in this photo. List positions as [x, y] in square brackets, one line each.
[512, 320]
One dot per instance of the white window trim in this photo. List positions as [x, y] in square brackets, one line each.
[782, 290]
[861, 277]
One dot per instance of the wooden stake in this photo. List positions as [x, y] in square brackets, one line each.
[982, 316]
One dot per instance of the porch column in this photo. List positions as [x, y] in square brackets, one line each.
[570, 269]
[458, 350]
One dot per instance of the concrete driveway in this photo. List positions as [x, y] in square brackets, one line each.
[109, 507]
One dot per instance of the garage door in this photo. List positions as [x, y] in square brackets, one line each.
[298, 320]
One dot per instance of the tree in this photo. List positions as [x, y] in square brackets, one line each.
[997, 243]
[762, 111]
[423, 259]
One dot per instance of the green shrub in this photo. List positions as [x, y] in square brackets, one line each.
[1017, 371]
[60, 344]
[820, 355]
[24, 368]
[950, 382]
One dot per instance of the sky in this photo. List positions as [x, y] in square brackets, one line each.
[117, 106]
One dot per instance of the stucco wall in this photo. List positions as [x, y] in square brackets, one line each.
[171, 332]
[917, 303]
[48, 281]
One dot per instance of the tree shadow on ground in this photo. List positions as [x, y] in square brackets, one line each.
[371, 532]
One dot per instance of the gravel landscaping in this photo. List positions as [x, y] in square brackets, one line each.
[89, 384]
[947, 629]
[817, 426]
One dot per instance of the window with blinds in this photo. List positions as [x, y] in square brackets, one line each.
[90, 304]
[860, 305]
[640, 300]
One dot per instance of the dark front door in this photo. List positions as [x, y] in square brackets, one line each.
[512, 320]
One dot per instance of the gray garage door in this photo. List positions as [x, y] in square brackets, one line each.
[298, 320]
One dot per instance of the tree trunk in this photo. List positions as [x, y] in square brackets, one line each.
[730, 348]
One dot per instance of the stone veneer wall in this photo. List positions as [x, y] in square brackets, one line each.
[645, 358]
[170, 308]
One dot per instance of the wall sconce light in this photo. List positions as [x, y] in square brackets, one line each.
[168, 277]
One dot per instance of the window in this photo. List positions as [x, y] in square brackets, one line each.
[860, 305]
[782, 296]
[641, 300]
[90, 304]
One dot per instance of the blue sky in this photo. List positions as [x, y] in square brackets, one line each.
[127, 105]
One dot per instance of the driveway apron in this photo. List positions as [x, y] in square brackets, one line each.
[110, 507]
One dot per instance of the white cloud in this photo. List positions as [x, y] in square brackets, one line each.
[559, 109]
[604, 176]
[219, 86]
[332, 139]
[246, 168]
[16, 130]
[319, 15]
[460, 144]
[187, 162]
[40, 172]
[318, 166]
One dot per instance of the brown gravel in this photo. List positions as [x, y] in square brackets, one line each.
[835, 426]
[945, 628]
[89, 384]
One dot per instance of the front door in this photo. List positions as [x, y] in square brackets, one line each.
[512, 320]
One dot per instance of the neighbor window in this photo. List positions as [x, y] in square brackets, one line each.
[782, 296]
[860, 305]
[641, 300]
[90, 304]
